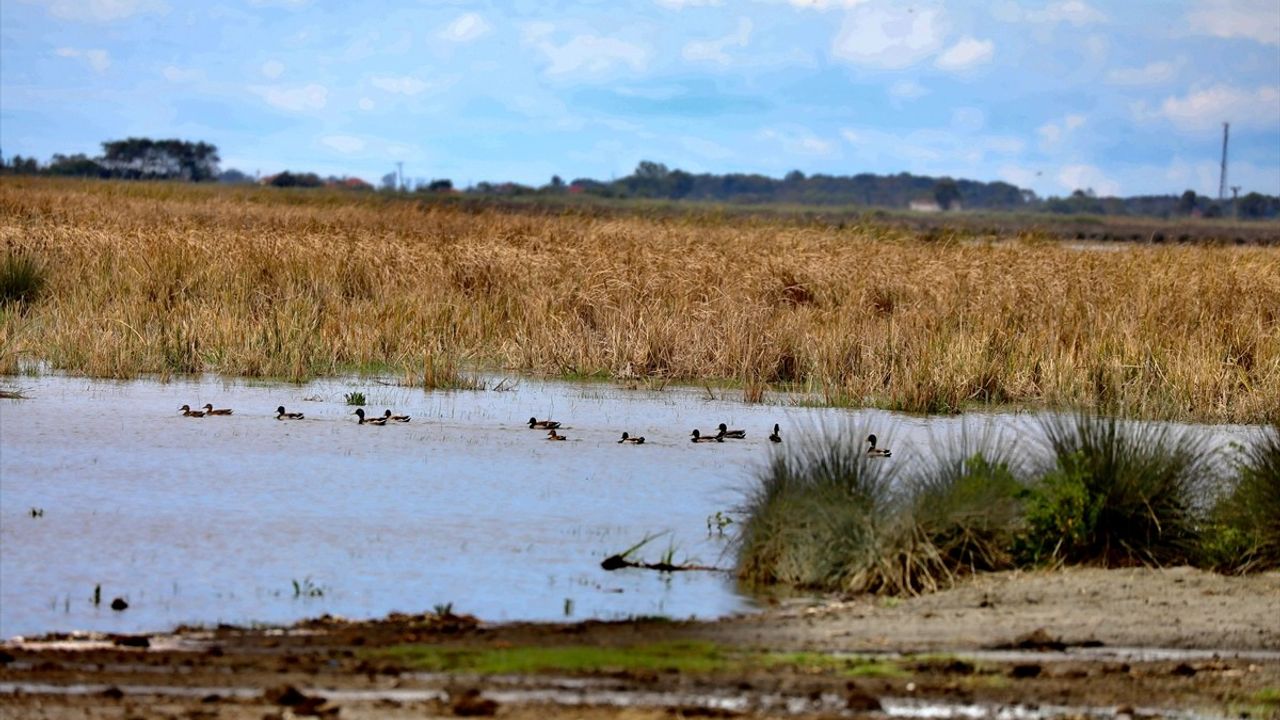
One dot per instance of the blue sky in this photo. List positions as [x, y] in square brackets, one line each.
[1121, 97]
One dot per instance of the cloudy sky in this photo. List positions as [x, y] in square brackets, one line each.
[1124, 97]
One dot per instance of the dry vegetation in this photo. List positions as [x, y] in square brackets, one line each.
[152, 278]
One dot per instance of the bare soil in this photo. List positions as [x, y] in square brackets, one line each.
[1072, 631]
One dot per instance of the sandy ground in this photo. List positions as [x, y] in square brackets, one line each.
[1079, 631]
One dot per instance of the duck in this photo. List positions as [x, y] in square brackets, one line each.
[396, 418]
[369, 421]
[735, 434]
[633, 440]
[208, 410]
[188, 412]
[775, 437]
[536, 424]
[282, 415]
[700, 438]
[553, 435]
[874, 451]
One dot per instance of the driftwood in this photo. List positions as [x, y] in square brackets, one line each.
[617, 562]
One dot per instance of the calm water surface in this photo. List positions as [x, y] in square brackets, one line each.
[213, 520]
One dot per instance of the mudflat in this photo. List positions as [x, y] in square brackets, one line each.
[1172, 642]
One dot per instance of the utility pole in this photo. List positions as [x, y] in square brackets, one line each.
[400, 173]
[1222, 180]
[1235, 195]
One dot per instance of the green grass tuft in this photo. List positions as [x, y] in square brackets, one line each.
[1243, 533]
[1116, 493]
[23, 276]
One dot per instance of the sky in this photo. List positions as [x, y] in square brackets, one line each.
[1123, 98]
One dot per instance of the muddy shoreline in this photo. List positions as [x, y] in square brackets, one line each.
[1070, 643]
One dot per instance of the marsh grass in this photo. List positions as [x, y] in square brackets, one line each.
[820, 517]
[1243, 532]
[1116, 493]
[157, 278]
[22, 276]
[1100, 492]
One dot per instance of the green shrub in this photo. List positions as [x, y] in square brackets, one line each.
[22, 276]
[1116, 494]
[1243, 534]
[819, 516]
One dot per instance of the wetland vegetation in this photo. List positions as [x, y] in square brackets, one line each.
[166, 278]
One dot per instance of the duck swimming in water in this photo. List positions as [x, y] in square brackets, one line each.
[633, 440]
[282, 415]
[369, 421]
[874, 451]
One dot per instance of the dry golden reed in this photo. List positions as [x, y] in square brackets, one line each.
[156, 278]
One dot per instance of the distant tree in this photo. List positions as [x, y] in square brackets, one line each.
[389, 181]
[288, 179]
[795, 176]
[1187, 202]
[231, 175]
[77, 165]
[1253, 205]
[444, 185]
[557, 183]
[946, 193]
[144, 158]
[1213, 211]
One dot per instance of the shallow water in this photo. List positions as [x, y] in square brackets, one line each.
[212, 520]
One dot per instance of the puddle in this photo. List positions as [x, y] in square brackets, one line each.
[246, 519]
[827, 704]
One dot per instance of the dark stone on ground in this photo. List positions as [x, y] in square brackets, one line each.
[1184, 670]
[471, 704]
[119, 604]
[1025, 670]
[135, 641]
[113, 693]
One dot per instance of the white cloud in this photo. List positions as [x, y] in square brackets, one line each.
[103, 10]
[965, 54]
[1087, 177]
[367, 104]
[176, 74]
[272, 69]
[1018, 175]
[714, 50]
[1257, 20]
[295, 99]
[1054, 133]
[824, 4]
[1076, 12]
[706, 148]
[1208, 108]
[99, 60]
[346, 144]
[800, 142]
[888, 37]
[585, 55]
[907, 90]
[1072, 11]
[968, 119]
[406, 85]
[1150, 74]
[465, 28]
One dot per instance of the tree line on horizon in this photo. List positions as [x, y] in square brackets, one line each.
[172, 159]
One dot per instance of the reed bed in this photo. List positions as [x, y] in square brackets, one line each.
[1098, 491]
[157, 278]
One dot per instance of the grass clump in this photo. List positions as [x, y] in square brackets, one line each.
[960, 517]
[23, 276]
[355, 397]
[821, 517]
[1115, 494]
[1243, 533]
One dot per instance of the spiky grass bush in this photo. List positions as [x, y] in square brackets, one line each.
[819, 517]
[22, 276]
[1243, 534]
[963, 513]
[1116, 493]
